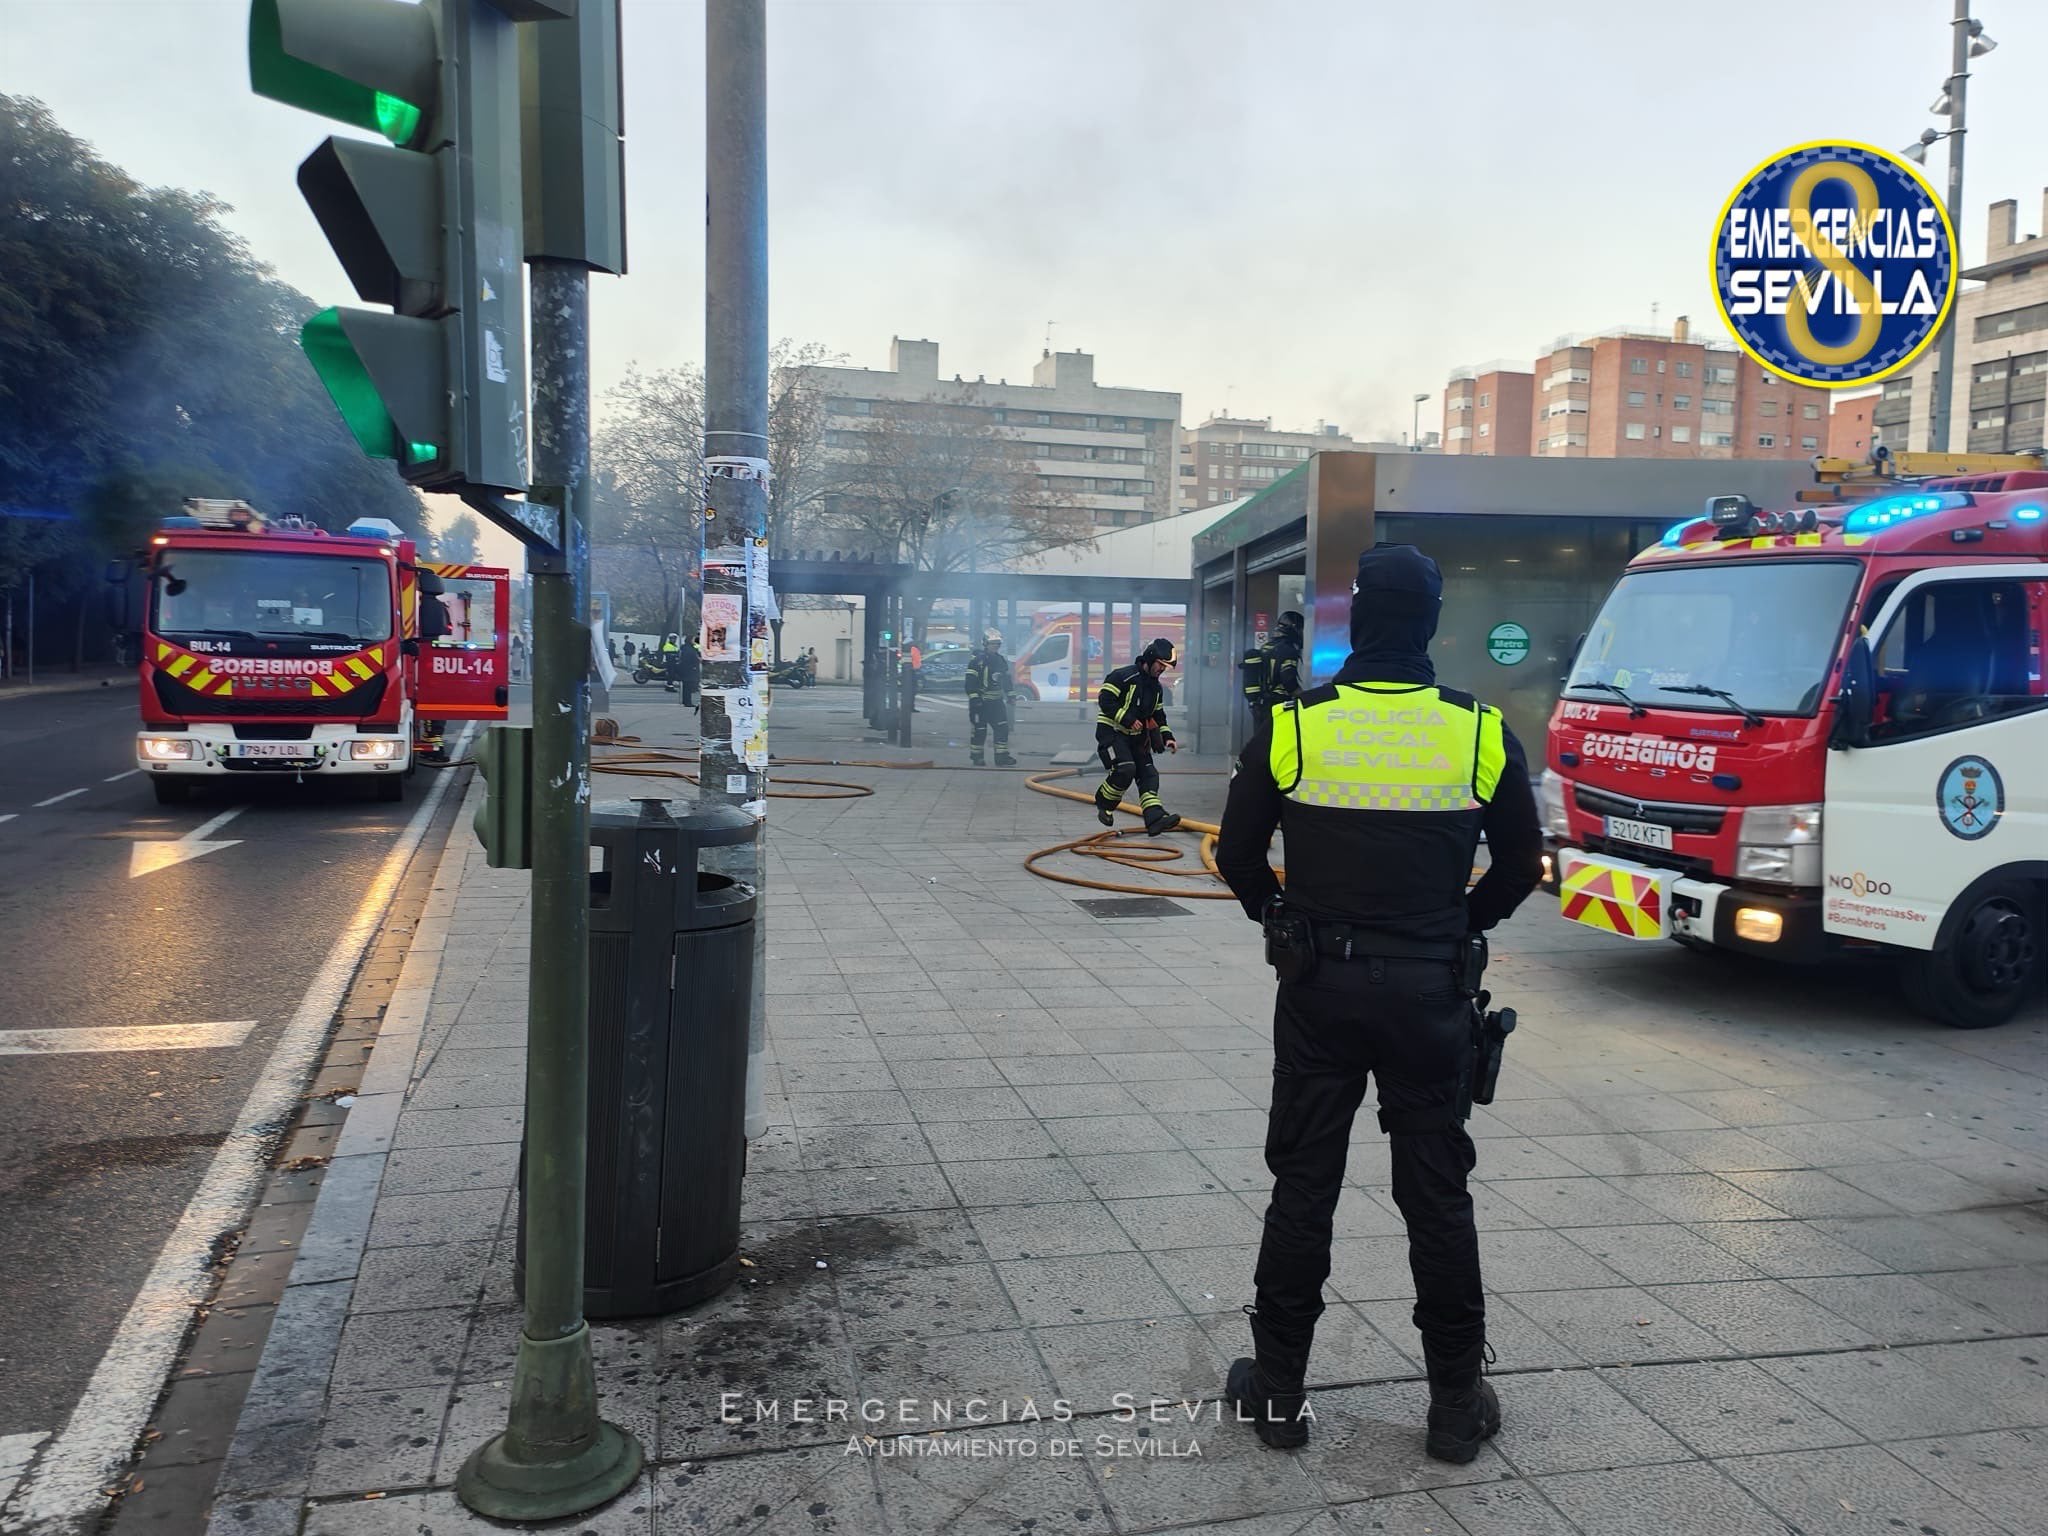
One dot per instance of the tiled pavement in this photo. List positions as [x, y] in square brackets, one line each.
[1765, 1251]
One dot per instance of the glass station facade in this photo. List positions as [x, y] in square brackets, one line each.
[1528, 548]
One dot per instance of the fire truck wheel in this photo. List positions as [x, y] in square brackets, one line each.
[389, 787]
[1993, 966]
[170, 791]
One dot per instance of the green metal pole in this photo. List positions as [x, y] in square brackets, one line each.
[556, 1457]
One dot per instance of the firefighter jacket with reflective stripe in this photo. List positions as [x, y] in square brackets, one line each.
[988, 676]
[1382, 790]
[1272, 673]
[1131, 701]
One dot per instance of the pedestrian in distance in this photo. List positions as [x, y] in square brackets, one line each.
[1382, 782]
[629, 650]
[989, 687]
[689, 668]
[1130, 729]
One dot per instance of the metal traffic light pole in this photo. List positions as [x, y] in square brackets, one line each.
[556, 1456]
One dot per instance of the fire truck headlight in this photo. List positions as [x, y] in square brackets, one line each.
[166, 749]
[1780, 843]
[1552, 794]
[383, 750]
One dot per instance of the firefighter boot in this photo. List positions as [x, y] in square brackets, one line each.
[1107, 798]
[974, 757]
[1003, 758]
[1464, 1410]
[1159, 820]
[1265, 1389]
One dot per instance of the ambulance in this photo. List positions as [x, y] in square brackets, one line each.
[1820, 730]
[277, 648]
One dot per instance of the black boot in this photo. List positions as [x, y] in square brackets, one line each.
[974, 758]
[1003, 758]
[1157, 822]
[1464, 1410]
[1267, 1391]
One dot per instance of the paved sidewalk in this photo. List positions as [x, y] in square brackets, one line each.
[1766, 1251]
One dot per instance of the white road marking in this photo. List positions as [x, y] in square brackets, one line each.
[16, 1451]
[55, 798]
[147, 858]
[8, 817]
[137, 1037]
[65, 1484]
[118, 777]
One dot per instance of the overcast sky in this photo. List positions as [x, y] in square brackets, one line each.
[1306, 209]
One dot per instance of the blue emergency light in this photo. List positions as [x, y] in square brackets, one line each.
[2027, 514]
[1874, 516]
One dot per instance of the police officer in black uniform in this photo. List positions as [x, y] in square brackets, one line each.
[1383, 783]
[989, 687]
[1130, 726]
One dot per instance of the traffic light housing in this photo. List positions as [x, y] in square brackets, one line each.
[428, 226]
[504, 822]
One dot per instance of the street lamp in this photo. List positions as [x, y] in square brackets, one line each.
[1415, 426]
[1968, 41]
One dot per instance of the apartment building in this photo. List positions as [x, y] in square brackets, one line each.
[1636, 395]
[2001, 321]
[1229, 456]
[1111, 449]
[1487, 410]
[1849, 427]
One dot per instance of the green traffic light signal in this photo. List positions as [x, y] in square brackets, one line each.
[374, 364]
[390, 40]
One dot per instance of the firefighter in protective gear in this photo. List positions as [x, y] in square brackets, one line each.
[669, 652]
[1383, 783]
[1130, 726]
[988, 700]
[1272, 672]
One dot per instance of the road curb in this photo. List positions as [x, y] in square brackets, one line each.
[269, 1463]
[10, 692]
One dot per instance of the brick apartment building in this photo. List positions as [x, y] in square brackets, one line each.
[1635, 395]
[1849, 427]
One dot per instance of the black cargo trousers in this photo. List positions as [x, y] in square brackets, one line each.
[1405, 1023]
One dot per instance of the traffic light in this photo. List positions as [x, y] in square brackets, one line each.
[504, 822]
[428, 226]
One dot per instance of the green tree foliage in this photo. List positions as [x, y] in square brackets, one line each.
[457, 543]
[146, 356]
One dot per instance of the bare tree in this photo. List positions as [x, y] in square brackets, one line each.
[942, 488]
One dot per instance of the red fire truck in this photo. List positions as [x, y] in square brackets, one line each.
[277, 648]
[1808, 731]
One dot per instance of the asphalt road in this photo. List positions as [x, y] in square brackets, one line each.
[101, 1151]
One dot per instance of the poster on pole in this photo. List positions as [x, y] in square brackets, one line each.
[723, 617]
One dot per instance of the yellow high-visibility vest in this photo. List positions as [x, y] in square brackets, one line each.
[1387, 747]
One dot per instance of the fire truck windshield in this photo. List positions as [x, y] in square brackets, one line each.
[272, 595]
[1763, 631]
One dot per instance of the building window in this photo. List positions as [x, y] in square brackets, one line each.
[1765, 378]
[1681, 434]
[1485, 401]
[1635, 397]
[1810, 411]
[2031, 318]
[1720, 375]
[1660, 365]
[1485, 429]
[1717, 439]
[1685, 370]
[1996, 419]
[1717, 407]
[1636, 432]
[1766, 440]
[1638, 365]
[1458, 403]
[1809, 443]
[1767, 408]
[1681, 402]
[1459, 434]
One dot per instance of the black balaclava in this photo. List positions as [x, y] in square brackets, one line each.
[1395, 600]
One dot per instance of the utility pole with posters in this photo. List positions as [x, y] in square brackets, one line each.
[736, 601]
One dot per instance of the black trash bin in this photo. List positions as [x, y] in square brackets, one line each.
[671, 987]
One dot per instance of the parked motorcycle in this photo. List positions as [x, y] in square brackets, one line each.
[795, 673]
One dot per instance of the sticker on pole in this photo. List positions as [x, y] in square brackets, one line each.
[1834, 264]
[1508, 644]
